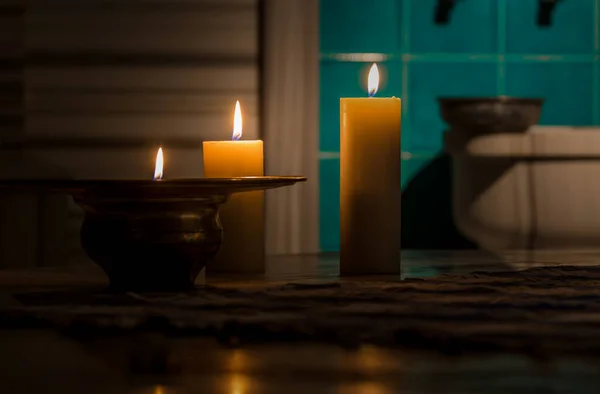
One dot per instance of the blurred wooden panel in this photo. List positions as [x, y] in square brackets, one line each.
[102, 163]
[230, 77]
[126, 102]
[11, 32]
[149, 127]
[12, 22]
[74, 4]
[150, 27]
[140, 70]
[95, 85]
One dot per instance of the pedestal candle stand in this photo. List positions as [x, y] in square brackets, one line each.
[152, 235]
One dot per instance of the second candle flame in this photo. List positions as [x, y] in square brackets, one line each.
[158, 168]
[237, 122]
[373, 83]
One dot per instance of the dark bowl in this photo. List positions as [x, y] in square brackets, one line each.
[157, 235]
[488, 115]
[152, 235]
[151, 244]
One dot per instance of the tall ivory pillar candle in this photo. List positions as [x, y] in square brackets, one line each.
[370, 183]
[242, 217]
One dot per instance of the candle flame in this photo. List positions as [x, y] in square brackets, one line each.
[237, 122]
[373, 80]
[158, 168]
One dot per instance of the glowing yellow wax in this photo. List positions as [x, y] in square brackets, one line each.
[370, 186]
[243, 247]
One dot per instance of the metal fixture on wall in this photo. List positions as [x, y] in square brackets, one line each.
[443, 9]
[545, 11]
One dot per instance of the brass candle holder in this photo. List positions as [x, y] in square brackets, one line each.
[153, 235]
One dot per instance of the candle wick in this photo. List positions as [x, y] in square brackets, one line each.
[372, 93]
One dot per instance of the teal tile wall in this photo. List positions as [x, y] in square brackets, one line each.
[572, 30]
[426, 81]
[477, 21]
[567, 87]
[360, 26]
[490, 47]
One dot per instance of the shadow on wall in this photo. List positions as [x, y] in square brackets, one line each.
[427, 209]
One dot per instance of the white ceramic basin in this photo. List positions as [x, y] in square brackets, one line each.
[536, 190]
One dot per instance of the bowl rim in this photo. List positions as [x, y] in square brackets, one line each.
[206, 185]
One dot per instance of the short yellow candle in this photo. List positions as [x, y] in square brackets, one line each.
[370, 183]
[243, 247]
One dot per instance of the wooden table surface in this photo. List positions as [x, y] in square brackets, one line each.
[44, 361]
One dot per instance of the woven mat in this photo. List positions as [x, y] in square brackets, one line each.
[541, 311]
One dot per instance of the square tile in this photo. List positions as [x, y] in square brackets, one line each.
[329, 205]
[349, 79]
[472, 27]
[567, 88]
[571, 31]
[360, 26]
[427, 82]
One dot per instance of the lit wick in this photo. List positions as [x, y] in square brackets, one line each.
[158, 168]
[373, 82]
[237, 122]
